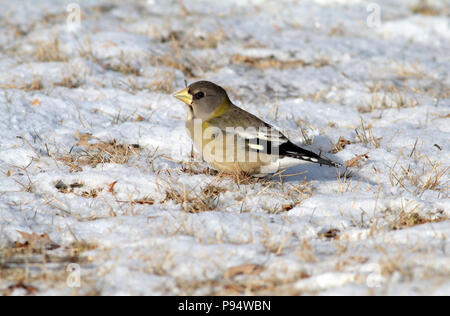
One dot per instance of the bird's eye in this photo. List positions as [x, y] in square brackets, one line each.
[198, 95]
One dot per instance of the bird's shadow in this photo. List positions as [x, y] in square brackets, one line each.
[313, 171]
[309, 171]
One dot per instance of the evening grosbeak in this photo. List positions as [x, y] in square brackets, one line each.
[235, 141]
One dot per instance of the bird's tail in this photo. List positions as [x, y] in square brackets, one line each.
[291, 150]
[312, 157]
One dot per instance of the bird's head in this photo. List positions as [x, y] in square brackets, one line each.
[204, 99]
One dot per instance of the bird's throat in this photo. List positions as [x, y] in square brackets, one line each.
[221, 109]
[190, 112]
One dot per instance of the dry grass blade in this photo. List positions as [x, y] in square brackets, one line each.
[388, 96]
[98, 153]
[188, 66]
[245, 269]
[272, 62]
[330, 234]
[340, 145]
[35, 85]
[365, 135]
[355, 161]
[429, 176]
[35, 243]
[407, 219]
[50, 52]
[206, 200]
[144, 201]
[124, 65]
[424, 8]
[433, 180]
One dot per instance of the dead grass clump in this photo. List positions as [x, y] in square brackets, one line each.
[37, 249]
[306, 252]
[329, 234]
[428, 177]
[35, 85]
[422, 7]
[180, 43]
[69, 81]
[272, 62]
[32, 261]
[79, 247]
[206, 200]
[98, 153]
[273, 244]
[301, 125]
[345, 182]
[210, 41]
[163, 82]
[188, 40]
[407, 219]
[243, 178]
[173, 36]
[409, 70]
[301, 190]
[64, 188]
[321, 95]
[338, 30]
[195, 168]
[356, 161]
[33, 244]
[144, 201]
[365, 135]
[186, 64]
[212, 191]
[437, 92]
[124, 65]
[340, 145]
[432, 179]
[50, 52]
[296, 193]
[388, 96]
[91, 194]
[245, 280]
[245, 269]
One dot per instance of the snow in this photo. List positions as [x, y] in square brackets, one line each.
[325, 72]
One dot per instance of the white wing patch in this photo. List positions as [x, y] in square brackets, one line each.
[256, 146]
[310, 159]
[263, 133]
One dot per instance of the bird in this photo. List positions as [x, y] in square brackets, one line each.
[235, 141]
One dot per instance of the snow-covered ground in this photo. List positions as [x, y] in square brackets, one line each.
[97, 179]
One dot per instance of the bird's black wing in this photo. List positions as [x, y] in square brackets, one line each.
[269, 140]
[274, 143]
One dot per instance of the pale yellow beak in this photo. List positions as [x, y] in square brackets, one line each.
[184, 96]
